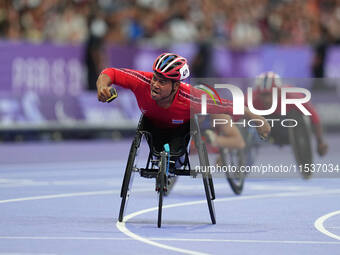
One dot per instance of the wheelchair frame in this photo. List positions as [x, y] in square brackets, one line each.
[159, 170]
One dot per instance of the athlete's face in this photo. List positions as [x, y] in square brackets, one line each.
[160, 87]
[267, 99]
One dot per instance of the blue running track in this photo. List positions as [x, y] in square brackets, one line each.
[63, 198]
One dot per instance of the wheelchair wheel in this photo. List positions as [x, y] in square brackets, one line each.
[300, 139]
[207, 178]
[235, 159]
[127, 181]
[161, 185]
[211, 185]
[207, 189]
[204, 160]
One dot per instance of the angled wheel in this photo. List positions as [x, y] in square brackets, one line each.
[211, 186]
[127, 181]
[208, 195]
[207, 178]
[203, 155]
[300, 139]
[235, 159]
[161, 185]
[207, 182]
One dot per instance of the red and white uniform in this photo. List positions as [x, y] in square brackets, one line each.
[257, 102]
[187, 99]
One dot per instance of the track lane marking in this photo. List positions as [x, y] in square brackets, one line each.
[319, 224]
[166, 239]
[122, 226]
[152, 242]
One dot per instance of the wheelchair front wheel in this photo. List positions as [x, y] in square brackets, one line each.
[127, 181]
[209, 197]
[161, 185]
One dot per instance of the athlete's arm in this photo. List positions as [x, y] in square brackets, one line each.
[228, 136]
[322, 147]
[126, 78]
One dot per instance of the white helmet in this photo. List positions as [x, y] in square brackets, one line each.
[266, 81]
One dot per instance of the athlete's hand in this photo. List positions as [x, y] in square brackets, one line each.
[322, 148]
[103, 93]
[103, 87]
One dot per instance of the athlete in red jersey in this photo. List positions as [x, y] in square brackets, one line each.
[262, 100]
[161, 95]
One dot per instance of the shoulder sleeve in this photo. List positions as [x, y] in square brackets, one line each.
[128, 78]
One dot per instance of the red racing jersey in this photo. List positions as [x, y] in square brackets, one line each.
[186, 102]
[260, 106]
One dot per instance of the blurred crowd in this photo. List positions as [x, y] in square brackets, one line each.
[240, 24]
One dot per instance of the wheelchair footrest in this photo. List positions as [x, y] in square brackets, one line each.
[180, 172]
[152, 173]
[148, 173]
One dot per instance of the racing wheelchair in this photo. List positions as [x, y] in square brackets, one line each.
[167, 158]
[298, 137]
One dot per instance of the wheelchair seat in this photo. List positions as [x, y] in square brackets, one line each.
[177, 138]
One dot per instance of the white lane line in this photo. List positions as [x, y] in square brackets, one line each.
[165, 239]
[20, 182]
[122, 226]
[91, 193]
[281, 187]
[63, 238]
[25, 253]
[74, 166]
[105, 192]
[77, 194]
[151, 242]
[318, 224]
[52, 165]
[24, 182]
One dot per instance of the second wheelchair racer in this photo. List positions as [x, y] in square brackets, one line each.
[262, 99]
